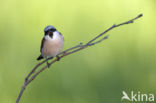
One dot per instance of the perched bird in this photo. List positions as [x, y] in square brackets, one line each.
[52, 44]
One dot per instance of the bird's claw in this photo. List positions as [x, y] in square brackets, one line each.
[58, 58]
[48, 64]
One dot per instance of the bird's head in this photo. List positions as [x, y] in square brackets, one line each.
[49, 30]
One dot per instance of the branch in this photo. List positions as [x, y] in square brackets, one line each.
[32, 75]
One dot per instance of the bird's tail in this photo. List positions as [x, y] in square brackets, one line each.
[40, 57]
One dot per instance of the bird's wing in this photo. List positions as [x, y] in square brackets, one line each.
[43, 40]
[61, 35]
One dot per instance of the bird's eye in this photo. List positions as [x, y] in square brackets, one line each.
[46, 32]
[51, 30]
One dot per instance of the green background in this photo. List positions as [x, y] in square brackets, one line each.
[125, 61]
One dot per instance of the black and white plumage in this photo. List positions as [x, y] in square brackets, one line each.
[52, 43]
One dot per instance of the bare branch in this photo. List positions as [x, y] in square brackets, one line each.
[32, 75]
[114, 26]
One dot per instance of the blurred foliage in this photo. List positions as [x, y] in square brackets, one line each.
[125, 61]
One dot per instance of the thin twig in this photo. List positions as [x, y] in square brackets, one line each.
[32, 75]
[34, 69]
[127, 22]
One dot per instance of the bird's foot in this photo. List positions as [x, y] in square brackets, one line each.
[48, 64]
[58, 58]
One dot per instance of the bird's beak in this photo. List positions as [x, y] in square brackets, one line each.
[50, 33]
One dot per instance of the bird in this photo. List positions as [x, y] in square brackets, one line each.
[51, 44]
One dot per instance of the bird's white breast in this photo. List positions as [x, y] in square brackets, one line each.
[53, 46]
